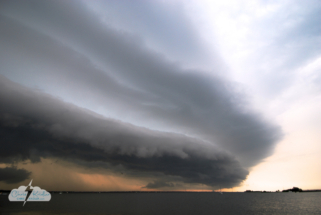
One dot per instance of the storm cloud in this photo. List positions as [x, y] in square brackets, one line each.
[13, 175]
[35, 125]
[198, 127]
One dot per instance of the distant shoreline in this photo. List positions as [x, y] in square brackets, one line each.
[85, 192]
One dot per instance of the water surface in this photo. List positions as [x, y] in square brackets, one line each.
[169, 203]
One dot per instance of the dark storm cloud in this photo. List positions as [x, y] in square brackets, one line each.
[13, 175]
[35, 125]
[159, 183]
[66, 49]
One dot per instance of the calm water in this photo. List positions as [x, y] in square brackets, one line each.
[170, 203]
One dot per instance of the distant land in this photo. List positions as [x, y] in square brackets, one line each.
[294, 189]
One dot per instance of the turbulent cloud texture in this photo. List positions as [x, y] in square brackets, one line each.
[137, 72]
[35, 125]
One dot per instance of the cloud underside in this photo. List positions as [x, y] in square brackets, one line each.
[35, 125]
[13, 175]
[67, 50]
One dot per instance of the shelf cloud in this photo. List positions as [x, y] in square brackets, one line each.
[113, 93]
[36, 125]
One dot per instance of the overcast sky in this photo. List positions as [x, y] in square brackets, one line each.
[125, 95]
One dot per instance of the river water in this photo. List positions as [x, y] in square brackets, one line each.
[169, 203]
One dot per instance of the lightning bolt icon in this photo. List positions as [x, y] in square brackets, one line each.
[29, 192]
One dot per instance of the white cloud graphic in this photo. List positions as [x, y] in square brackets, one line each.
[37, 194]
[18, 195]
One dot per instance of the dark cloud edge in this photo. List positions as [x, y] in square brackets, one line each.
[36, 125]
[12, 175]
